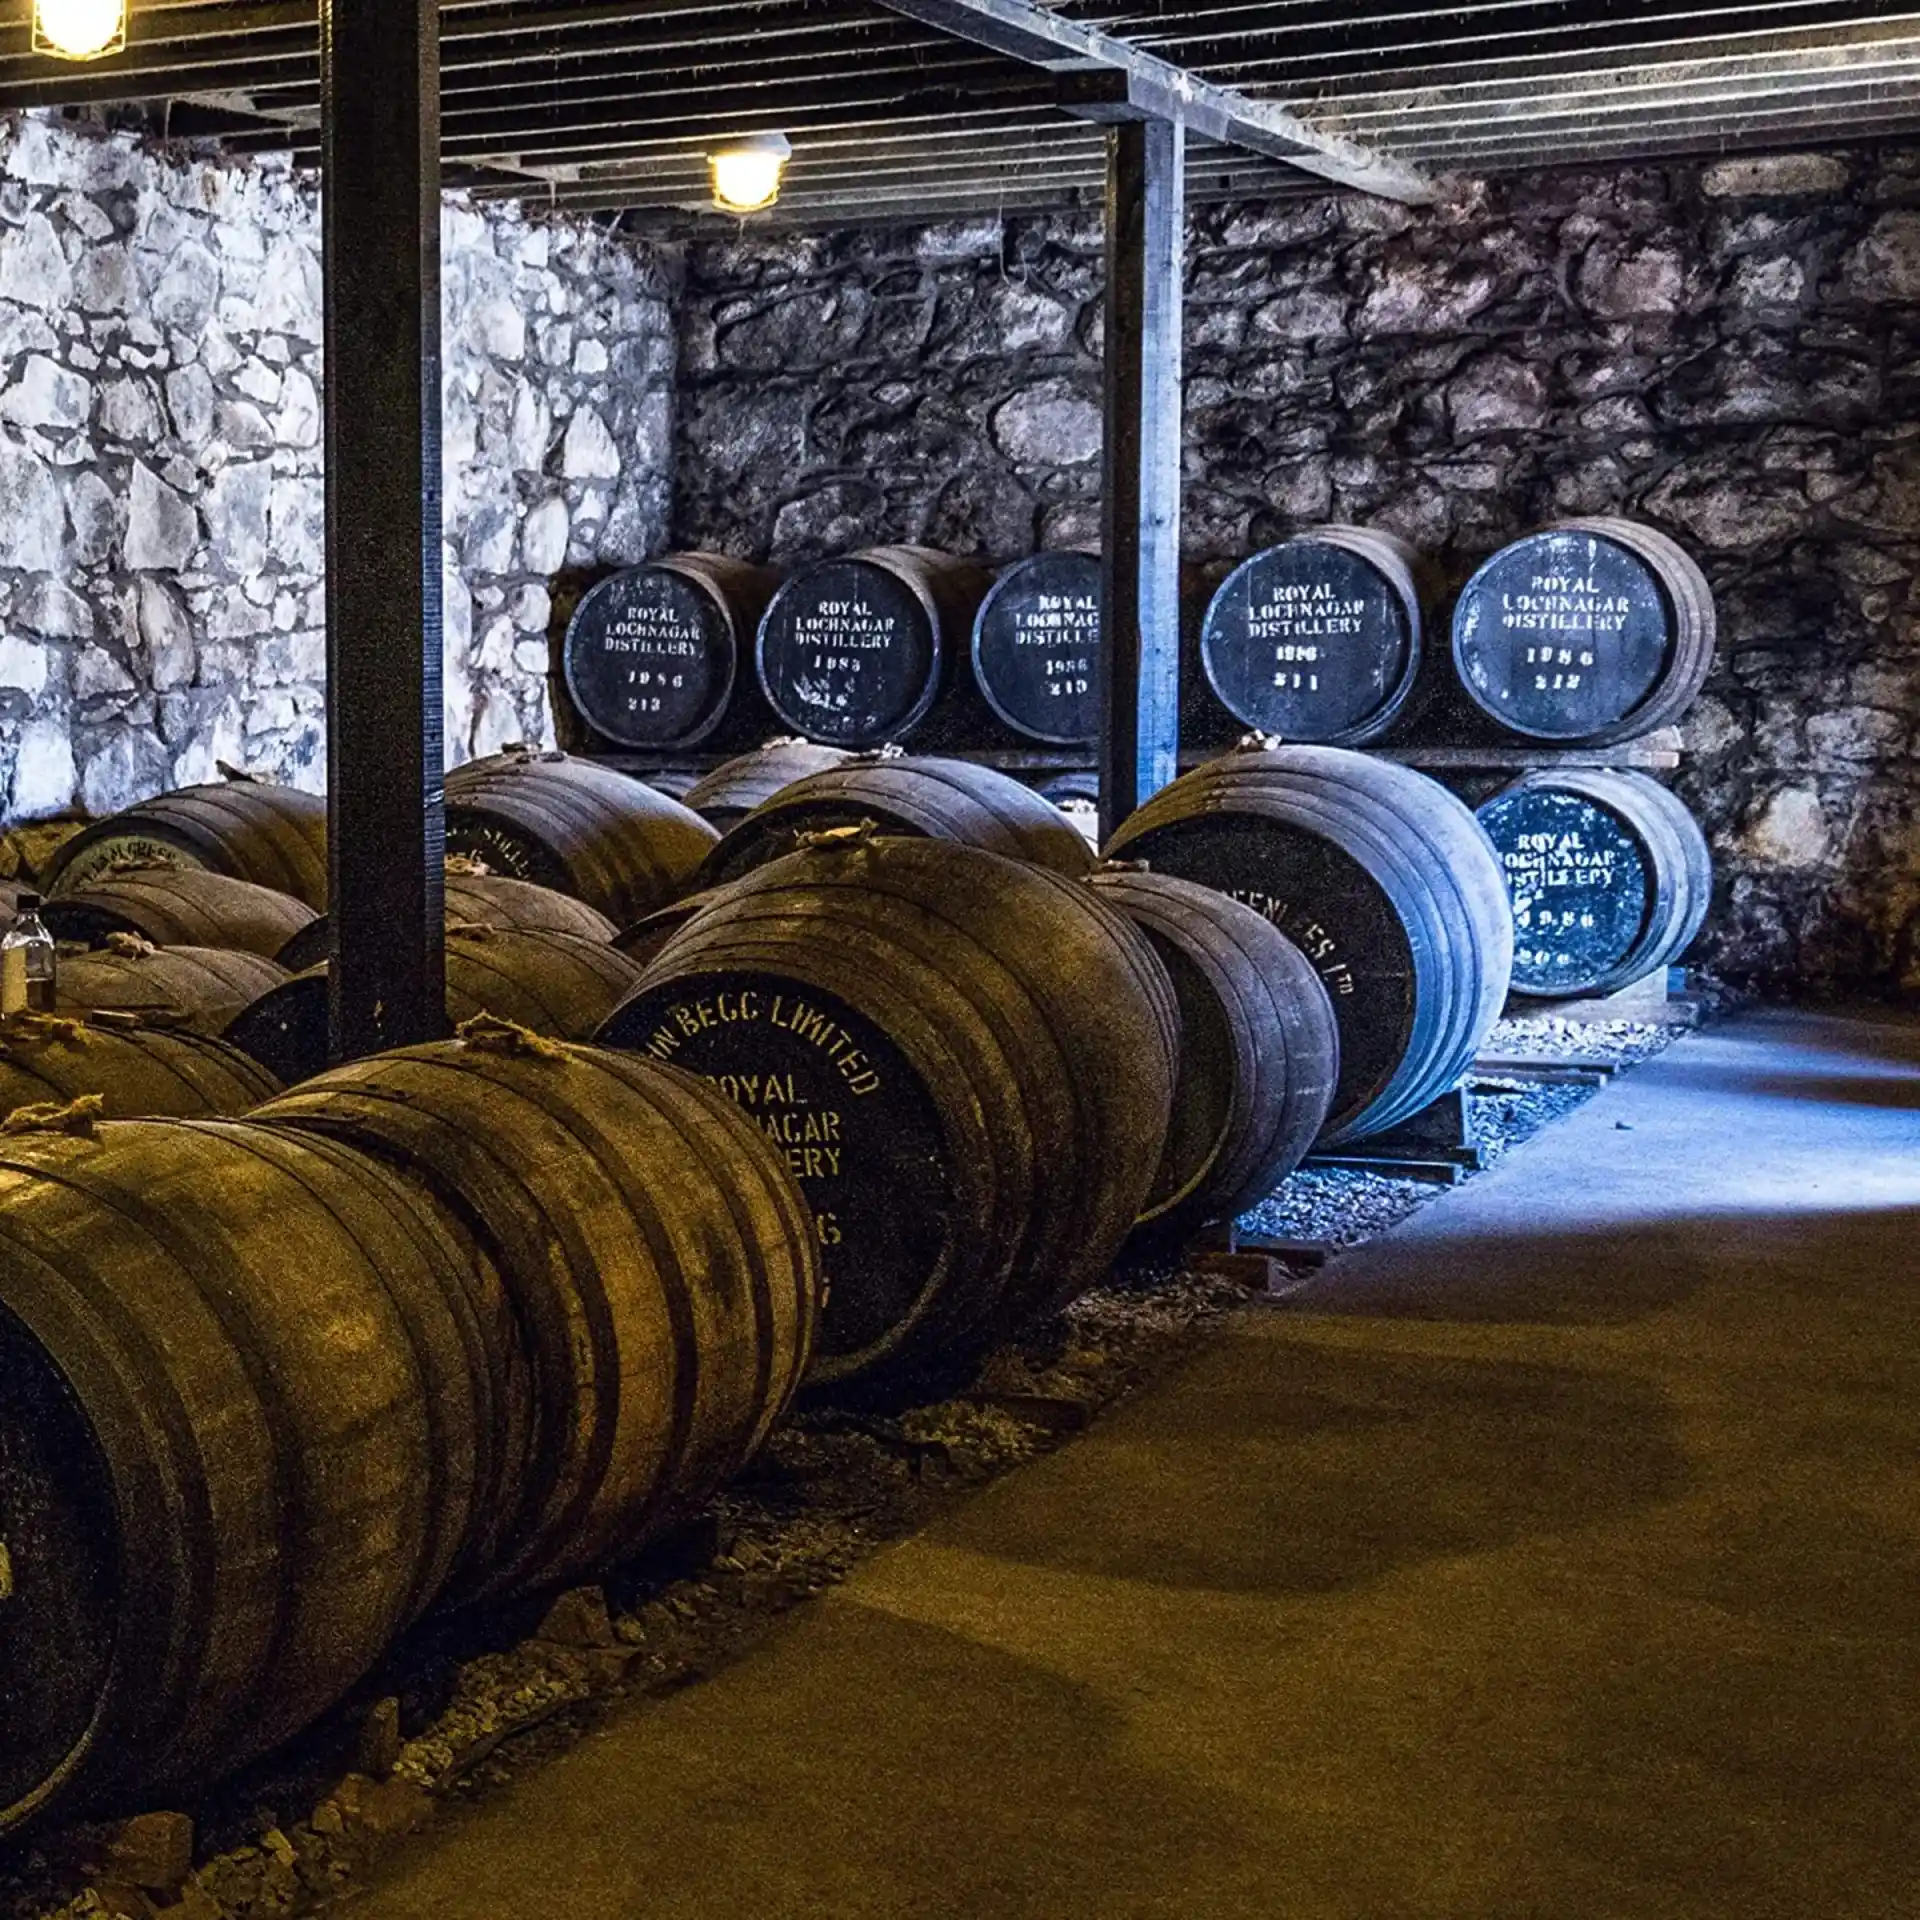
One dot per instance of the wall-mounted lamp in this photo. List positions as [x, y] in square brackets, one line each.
[79, 29]
[746, 172]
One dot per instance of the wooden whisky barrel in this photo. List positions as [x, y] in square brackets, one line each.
[731, 791]
[477, 900]
[651, 654]
[1593, 631]
[941, 799]
[968, 1060]
[550, 983]
[138, 1071]
[1259, 1050]
[578, 828]
[1609, 874]
[659, 1256]
[851, 651]
[179, 907]
[199, 987]
[1036, 648]
[274, 836]
[1382, 878]
[1318, 638]
[250, 1394]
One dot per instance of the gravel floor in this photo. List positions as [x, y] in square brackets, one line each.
[464, 1705]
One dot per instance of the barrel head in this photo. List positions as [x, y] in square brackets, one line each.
[859, 1130]
[286, 1030]
[1309, 641]
[1562, 635]
[649, 659]
[1581, 887]
[1036, 645]
[1332, 909]
[59, 1570]
[847, 654]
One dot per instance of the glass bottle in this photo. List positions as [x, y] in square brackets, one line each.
[29, 961]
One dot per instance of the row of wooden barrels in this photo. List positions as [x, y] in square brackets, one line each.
[1591, 631]
[879, 1075]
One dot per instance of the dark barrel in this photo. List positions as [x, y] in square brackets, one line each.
[1259, 1051]
[1592, 631]
[1382, 878]
[138, 1071]
[550, 983]
[179, 907]
[274, 836]
[581, 829]
[658, 1254]
[941, 799]
[851, 651]
[652, 654]
[724, 797]
[250, 1389]
[477, 900]
[1036, 648]
[675, 782]
[1077, 795]
[199, 987]
[1610, 877]
[1319, 638]
[968, 1061]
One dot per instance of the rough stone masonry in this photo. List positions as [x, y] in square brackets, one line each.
[1730, 351]
[161, 492]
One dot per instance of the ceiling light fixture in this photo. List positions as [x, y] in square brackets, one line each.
[79, 29]
[747, 172]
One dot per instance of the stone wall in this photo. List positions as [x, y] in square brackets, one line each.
[1730, 351]
[161, 491]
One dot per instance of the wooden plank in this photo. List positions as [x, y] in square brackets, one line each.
[1140, 476]
[381, 241]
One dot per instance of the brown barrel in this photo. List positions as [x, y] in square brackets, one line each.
[550, 983]
[853, 651]
[251, 829]
[578, 828]
[477, 900]
[652, 654]
[180, 907]
[138, 1071]
[252, 1400]
[659, 1257]
[968, 1060]
[1609, 873]
[1259, 1050]
[1382, 878]
[201, 987]
[1593, 631]
[724, 797]
[941, 799]
[1318, 638]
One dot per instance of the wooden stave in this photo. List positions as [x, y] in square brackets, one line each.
[181, 907]
[187, 1305]
[944, 799]
[949, 590]
[1397, 563]
[724, 797]
[575, 1169]
[607, 840]
[252, 830]
[877, 924]
[476, 900]
[1678, 857]
[203, 987]
[141, 1072]
[1450, 895]
[1280, 1027]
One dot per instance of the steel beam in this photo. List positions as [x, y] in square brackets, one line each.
[380, 151]
[1140, 467]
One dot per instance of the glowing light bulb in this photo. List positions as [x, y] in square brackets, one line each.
[79, 29]
[747, 173]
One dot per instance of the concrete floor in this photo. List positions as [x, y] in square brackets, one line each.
[1558, 1557]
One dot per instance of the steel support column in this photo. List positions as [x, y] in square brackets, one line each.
[380, 130]
[1140, 725]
